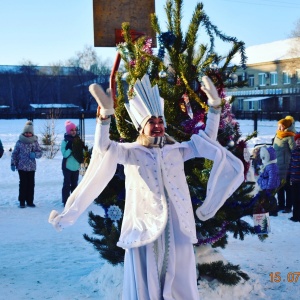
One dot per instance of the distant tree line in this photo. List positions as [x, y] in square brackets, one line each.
[59, 83]
[294, 50]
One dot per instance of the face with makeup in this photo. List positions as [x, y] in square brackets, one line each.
[154, 127]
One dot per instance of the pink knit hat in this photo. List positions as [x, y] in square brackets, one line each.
[69, 126]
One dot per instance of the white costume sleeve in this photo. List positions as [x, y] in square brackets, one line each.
[102, 141]
[227, 172]
[226, 175]
[212, 123]
[211, 130]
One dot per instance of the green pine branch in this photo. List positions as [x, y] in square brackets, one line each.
[227, 274]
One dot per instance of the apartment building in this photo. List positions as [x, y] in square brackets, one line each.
[272, 80]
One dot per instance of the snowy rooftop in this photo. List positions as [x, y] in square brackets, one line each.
[43, 69]
[54, 106]
[278, 50]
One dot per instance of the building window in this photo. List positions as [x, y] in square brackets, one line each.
[280, 103]
[298, 75]
[298, 103]
[250, 105]
[251, 80]
[240, 104]
[286, 78]
[262, 79]
[259, 104]
[273, 78]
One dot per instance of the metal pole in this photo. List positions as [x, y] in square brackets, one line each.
[112, 80]
[82, 127]
[255, 116]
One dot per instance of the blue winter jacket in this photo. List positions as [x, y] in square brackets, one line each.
[269, 178]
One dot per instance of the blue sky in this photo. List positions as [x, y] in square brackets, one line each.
[46, 32]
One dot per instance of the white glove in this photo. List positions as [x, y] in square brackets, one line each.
[54, 219]
[105, 101]
[211, 92]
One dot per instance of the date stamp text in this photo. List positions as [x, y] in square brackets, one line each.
[290, 277]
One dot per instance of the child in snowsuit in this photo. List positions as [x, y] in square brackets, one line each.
[23, 159]
[294, 172]
[268, 179]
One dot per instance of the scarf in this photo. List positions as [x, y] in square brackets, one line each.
[77, 146]
[27, 140]
[151, 142]
[68, 137]
[283, 134]
[159, 141]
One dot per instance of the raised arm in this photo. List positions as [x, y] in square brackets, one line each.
[101, 169]
[104, 111]
[214, 102]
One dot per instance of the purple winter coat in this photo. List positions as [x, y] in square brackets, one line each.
[269, 178]
[21, 155]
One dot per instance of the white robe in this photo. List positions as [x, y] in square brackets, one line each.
[158, 216]
[164, 269]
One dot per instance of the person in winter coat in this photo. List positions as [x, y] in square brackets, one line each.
[283, 144]
[158, 228]
[269, 178]
[72, 152]
[23, 159]
[294, 172]
[1, 149]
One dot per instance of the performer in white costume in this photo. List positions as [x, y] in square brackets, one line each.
[158, 229]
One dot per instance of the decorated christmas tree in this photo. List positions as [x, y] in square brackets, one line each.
[177, 69]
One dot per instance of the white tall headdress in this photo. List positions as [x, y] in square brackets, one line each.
[146, 103]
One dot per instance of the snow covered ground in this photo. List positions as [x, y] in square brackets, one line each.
[36, 262]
